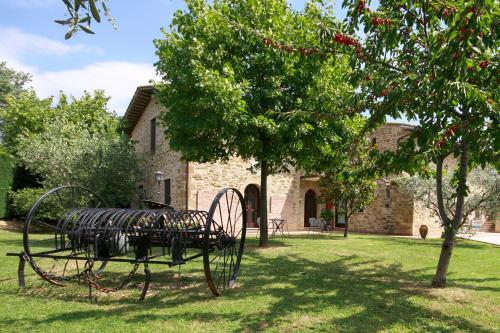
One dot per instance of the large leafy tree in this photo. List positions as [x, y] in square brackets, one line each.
[435, 62]
[231, 92]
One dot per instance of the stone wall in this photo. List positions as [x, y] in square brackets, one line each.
[387, 136]
[391, 211]
[206, 179]
[164, 159]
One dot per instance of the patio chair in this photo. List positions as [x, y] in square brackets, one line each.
[314, 225]
[258, 228]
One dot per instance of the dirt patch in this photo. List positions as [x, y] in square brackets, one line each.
[14, 225]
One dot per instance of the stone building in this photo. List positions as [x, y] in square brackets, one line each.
[291, 196]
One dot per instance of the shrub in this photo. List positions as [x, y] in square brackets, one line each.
[6, 174]
[23, 200]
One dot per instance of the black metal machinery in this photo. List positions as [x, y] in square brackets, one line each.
[69, 236]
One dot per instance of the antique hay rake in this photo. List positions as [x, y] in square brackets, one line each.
[69, 236]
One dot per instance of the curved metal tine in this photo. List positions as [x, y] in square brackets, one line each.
[158, 226]
[93, 228]
[101, 268]
[150, 230]
[138, 217]
[128, 223]
[119, 220]
[105, 226]
[61, 227]
[79, 227]
[113, 227]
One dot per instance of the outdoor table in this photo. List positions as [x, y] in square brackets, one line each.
[278, 226]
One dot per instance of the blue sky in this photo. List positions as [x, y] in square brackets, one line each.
[114, 60]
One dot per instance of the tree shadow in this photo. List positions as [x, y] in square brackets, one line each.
[305, 293]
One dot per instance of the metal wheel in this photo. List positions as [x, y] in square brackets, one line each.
[224, 240]
[46, 232]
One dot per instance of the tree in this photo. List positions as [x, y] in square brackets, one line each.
[347, 170]
[435, 62]
[231, 92]
[483, 197]
[81, 14]
[83, 145]
[11, 82]
[22, 114]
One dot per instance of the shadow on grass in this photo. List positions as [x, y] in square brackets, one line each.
[369, 296]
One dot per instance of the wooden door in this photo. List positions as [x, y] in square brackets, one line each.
[252, 198]
[309, 207]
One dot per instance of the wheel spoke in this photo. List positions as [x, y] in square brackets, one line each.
[231, 265]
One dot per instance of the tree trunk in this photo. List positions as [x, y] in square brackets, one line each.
[444, 259]
[263, 204]
[451, 225]
[346, 222]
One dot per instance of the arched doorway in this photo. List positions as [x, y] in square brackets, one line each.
[252, 198]
[309, 207]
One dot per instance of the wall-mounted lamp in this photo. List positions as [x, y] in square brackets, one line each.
[159, 177]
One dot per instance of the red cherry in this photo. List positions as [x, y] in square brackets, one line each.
[361, 7]
[483, 64]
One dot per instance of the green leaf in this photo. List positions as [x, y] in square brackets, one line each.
[94, 11]
[63, 22]
[86, 29]
[68, 35]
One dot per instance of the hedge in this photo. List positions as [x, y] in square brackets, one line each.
[6, 176]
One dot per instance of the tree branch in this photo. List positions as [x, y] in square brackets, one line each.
[439, 191]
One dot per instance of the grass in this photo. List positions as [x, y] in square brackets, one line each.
[365, 283]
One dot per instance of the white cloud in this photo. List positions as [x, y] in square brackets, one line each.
[119, 80]
[29, 3]
[17, 43]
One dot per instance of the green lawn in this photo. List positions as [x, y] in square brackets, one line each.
[325, 284]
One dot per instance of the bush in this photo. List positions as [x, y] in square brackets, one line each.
[6, 174]
[23, 200]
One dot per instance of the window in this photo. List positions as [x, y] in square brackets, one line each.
[153, 136]
[168, 199]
